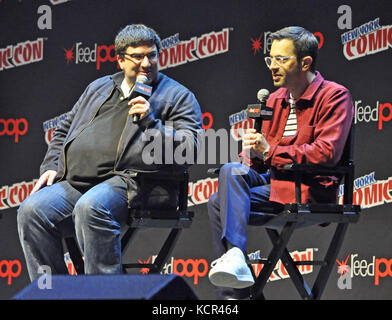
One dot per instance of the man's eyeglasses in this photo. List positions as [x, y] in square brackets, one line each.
[278, 60]
[138, 57]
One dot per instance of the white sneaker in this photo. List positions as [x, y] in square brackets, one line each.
[231, 270]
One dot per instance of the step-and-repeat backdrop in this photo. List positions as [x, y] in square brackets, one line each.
[51, 50]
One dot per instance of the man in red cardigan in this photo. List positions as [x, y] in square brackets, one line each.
[311, 121]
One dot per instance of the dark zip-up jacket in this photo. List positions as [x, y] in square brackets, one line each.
[174, 117]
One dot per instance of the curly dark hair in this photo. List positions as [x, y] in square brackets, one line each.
[136, 35]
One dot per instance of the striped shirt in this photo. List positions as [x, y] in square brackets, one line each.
[291, 124]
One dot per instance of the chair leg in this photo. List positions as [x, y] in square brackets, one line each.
[125, 241]
[274, 256]
[126, 238]
[165, 251]
[330, 259]
[162, 256]
[75, 254]
[252, 289]
[299, 282]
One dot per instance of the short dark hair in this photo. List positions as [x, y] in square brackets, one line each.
[136, 35]
[305, 43]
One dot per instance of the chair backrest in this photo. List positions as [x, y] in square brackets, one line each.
[348, 151]
[347, 161]
[163, 195]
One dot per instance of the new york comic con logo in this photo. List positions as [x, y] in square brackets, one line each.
[22, 53]
[280, 272]
[370, 192]
[177, 52]
[369, 38]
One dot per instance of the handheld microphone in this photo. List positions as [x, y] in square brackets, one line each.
[260, 111]
[141, 89]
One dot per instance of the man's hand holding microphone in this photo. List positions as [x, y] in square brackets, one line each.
[255, 144]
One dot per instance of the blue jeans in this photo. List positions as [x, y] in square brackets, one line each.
[241, 200]
[60, 210]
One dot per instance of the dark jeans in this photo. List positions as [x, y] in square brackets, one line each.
[60, 210]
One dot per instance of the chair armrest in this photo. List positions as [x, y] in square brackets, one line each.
[213, 170]
[300, 169]
[315, 169]
[162, 175]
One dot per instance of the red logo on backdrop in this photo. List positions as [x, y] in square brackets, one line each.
[370, 192]
[145, 270]
[97, 54]
[200, 191]
[367, 39]
[381, 112]
[384, 116]
[10, 269]
[280, 271]
[257, 43]
[13, 127]
[190, 268]
[175, 52]
[239, 123]
[343, 266]
[21, 54]
[51, 125]
[69, 54]
[13, 196]
[378, 268]
[207, 120]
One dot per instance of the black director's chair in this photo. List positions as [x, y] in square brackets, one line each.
[280, 227]
[163, 204]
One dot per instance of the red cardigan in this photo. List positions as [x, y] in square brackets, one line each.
[324, 116]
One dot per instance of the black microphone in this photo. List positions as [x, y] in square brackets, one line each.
[141, 89]
[260, 111]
